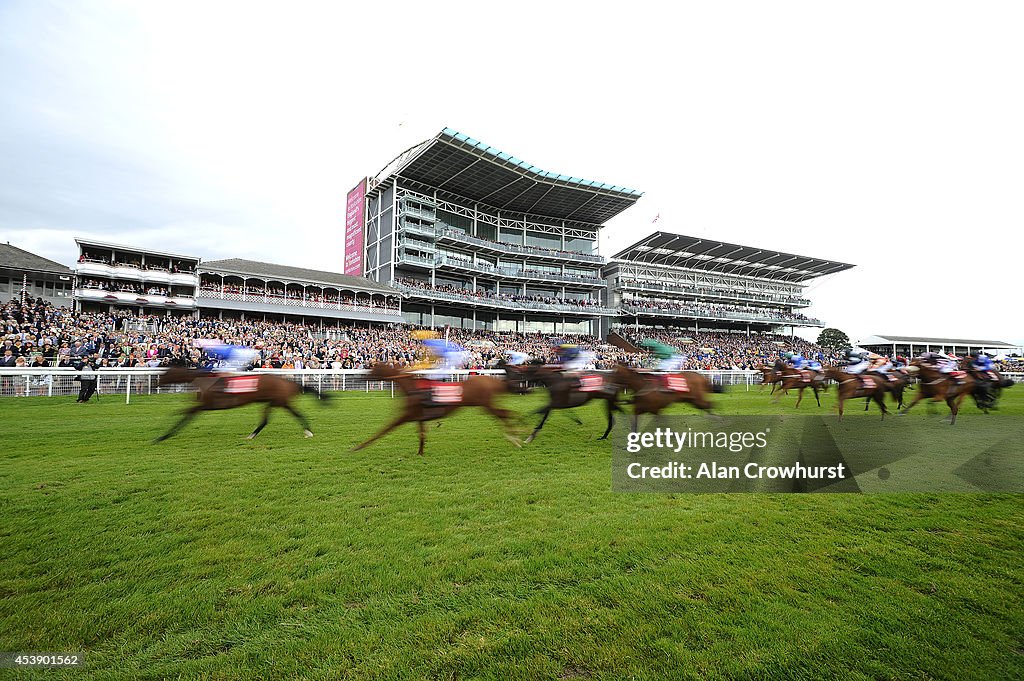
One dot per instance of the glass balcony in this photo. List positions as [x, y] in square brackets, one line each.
[511, 273]
[458, 236]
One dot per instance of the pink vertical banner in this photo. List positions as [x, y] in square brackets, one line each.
[355, 220]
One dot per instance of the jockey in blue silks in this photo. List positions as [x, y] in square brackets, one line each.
[450, 357]
[228, 357]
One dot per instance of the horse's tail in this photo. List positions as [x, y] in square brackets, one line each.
[309, 390]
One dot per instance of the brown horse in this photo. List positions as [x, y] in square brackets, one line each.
[476, 391]
[794, 379]
[651, 397]
[853, 386]
[935, 385]
[228, 392]
[769, 376]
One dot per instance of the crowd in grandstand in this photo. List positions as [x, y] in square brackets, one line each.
[39, 334]
[123, 287]
[709, 309]
[174, 267]
[482, 294]
[309, 294]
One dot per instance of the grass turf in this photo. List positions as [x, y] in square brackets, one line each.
[211, 556]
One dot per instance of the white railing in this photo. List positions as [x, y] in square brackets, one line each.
[54, 382]
[288, 301]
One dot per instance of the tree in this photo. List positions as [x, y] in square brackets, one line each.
[833, 339]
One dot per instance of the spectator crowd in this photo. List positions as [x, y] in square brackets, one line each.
[37, 334]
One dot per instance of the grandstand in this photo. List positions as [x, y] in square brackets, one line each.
[690, 284]
[36, 276]
[144, 280]
[475, 238]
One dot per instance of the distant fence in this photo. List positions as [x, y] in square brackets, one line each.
[53, 382]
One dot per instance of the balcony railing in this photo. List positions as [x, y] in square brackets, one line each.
[522, 305]
[272, 299]
[696, 313]
[498, 247]
[413, 228]
[508, 272]
[717, 293]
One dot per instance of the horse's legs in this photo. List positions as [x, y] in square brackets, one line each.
[799, 397]
[547, 412]
[842, 399]
[571, 414]
[423, 436]
[816, 398]
[611, 419]
[867, 402]
[879, 398]
[384, 431]
[263, 423]
[954, 405]
[505, 416]
[306, 430]
[917, 398]
[188, 416]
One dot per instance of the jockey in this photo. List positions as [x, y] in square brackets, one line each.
[945, 364]
[856, 362]
[981, 362]
[572, 358]
[671, 360]
[795, 360]
[516, 358]
[228, 357]
[449, 357]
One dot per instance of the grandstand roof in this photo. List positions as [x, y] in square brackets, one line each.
[16, 258]
[921, 340]
[459, 164]
[253, 268]
[678, 250]
[134, 249]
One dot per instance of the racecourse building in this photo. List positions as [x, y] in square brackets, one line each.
[33, 276]
[686, 283]
[249, 289]
[109, 276]
[475, 238]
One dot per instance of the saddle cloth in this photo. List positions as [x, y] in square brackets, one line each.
[677, 383]
[591, 383]
[446, 393]
[235, 385]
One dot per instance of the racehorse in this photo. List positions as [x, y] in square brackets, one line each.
[988, 385]
[895, 383]
[517, 376]
[475, 391]
[791, 379]
[853, 386]
[228, 392]
[769, 376]
[651, 397]
[936, 385]
[568, 392]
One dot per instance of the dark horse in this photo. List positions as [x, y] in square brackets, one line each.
[988, 385]
[936, 385]
[651, 397]
[566, 391]
[228, 392]
[476, 391]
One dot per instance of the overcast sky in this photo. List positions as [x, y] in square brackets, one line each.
[888, 135]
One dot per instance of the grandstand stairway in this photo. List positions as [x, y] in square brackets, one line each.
[620, 342]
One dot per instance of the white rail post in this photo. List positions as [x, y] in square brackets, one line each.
[128, 390]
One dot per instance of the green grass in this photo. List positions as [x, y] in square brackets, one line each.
[211, 556]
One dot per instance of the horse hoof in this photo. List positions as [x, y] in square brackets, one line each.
[307, 433]
[250, 436]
